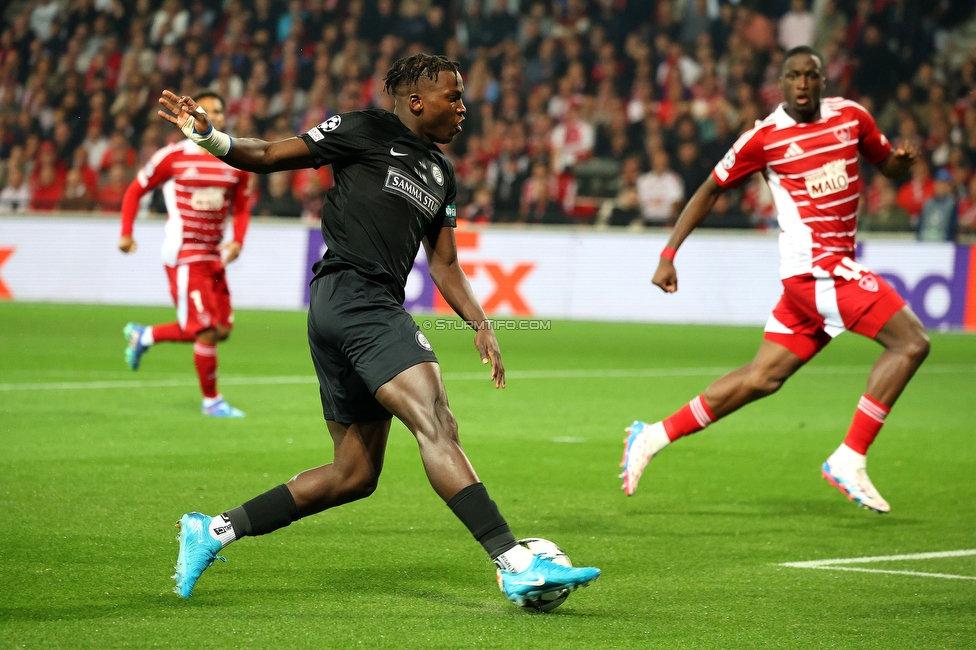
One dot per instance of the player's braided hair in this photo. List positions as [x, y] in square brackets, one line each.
[408, 70]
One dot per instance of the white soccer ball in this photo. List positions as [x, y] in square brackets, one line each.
[551, 599]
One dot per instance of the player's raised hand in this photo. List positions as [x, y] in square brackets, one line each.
[666, 276]
[906, 153]
[229, 252]
[181, 110]
[487, 344]
[127, 244]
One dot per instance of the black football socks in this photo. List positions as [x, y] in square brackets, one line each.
[264, 513]
[478, 512]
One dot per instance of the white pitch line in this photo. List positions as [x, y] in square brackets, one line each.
[156, 383]
[832, 565]
[592, 374]
[816, 564]
[459, 376]
[948, 576]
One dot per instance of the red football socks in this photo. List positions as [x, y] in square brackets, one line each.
[171, 332]
[690, 418]
[868, 419]
[205, 359]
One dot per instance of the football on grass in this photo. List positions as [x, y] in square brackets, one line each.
[546, 549]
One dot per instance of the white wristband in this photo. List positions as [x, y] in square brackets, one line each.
[216, 142]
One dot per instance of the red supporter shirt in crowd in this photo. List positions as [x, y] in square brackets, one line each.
[46, 197]
[60, 171]
[112, 156]
[812, 173]
[967, 214]
[90, 178]
[110, 196]
[198, 189]
[913, 195]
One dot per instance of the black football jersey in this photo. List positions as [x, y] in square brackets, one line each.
[391, 190]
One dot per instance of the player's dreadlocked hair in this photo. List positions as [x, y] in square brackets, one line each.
[408, 70]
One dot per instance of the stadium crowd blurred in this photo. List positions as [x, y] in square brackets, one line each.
[579, 111]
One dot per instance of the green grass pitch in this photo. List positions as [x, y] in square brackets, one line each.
[95, 470]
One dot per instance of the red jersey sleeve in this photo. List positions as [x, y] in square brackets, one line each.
[157, 170]
[872, 144]
[745, 158]
[241, 207]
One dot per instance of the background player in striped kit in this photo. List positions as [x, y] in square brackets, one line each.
[807, 149]
[198, 189]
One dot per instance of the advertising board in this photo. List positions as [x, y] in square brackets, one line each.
[530, 273]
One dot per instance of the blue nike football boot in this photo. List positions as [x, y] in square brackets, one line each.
[541, 577]
[135, 349]
[198, 550]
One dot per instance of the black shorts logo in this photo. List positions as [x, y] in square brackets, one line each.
[423, 342]
[397, 182]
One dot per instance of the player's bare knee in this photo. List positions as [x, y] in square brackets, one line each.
[770, 386]
[915, 345]
[223, 333]
[447, 425]
[919, 347]
[438, 415]
[438, 428]
[360, 487]
[357, 481]
[208, 336]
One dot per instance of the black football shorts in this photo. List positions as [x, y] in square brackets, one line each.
[360, 337]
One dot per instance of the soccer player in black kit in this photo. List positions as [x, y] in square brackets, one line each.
[394, 190]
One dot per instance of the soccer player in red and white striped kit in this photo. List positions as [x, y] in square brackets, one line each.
[198, 189]
[807, 149]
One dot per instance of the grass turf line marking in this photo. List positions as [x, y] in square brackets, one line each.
[461, 376]
[832, 565]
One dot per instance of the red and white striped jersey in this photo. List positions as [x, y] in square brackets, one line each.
[198, 188]
[813, 175]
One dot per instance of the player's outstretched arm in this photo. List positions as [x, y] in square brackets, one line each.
[249, 154]
[447, 274]
[691, 216]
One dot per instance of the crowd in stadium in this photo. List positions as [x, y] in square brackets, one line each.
[578, 111]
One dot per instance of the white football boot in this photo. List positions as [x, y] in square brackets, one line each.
[642, 443]
[852, 480]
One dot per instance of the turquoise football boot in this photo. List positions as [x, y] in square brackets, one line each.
[541, 577]
[198, 550]
[135, 349]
